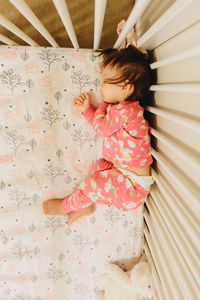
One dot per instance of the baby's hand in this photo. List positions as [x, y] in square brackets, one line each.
[82, 102]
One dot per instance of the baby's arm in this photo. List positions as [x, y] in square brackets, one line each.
[105, 119]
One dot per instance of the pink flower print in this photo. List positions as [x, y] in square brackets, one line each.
[99, 229]
[6, 158]
[79, 56]
[40, 288]
[48, 140]
[12, 267]
[81, 270]
[13, 115]
[38, 237]
[46, 81]
[73, 155]
[36, 185]
[16, 173]
[18, 228]
[51, 247]
[9, 214]
[51, 296]
[4, 98]
[73, 258]
[34, 128]
[109, 239]
[10, 54]
[32, 68]
[21, 279]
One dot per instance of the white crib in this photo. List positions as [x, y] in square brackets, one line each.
[170, 30]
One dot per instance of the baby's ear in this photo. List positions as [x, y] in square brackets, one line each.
[128, 87]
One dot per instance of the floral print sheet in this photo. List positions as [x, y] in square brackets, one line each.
[46, 149]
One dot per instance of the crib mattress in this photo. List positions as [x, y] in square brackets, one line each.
[46, 149]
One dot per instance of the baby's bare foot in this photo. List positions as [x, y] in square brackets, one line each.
[74, 216]
[53, 207]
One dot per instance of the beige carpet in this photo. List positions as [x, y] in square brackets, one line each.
[82, 16]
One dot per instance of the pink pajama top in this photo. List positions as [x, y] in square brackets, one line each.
[125, 132]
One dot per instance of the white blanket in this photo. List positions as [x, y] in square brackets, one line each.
[46, 148]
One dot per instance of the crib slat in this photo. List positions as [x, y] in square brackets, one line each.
[100, 6]
[155, 248]
[177, 264]
[31, 17]
[176, 58]
[155, 276]
[183, 88]
[136, 12]
[7, 41]
[65, 17]
[185, 154]
[178, 224]
[194, 125]
[10, 26]
[169, 23]
[180, 183]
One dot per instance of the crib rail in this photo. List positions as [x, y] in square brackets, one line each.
[61, 7]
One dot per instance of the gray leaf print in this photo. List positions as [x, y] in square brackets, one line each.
[112, 216]
[4, 238]
[81, 241]
[18, 197]
[96, 83]
[50, 115]
[27, 116]
[2, 185]
[24, 56]
[80, 80]
[11, 79]
[49, 57]
[30, 84]
[54, 275]
[54, 223]
[36, 250]
[52, 172]
[20, 250]
[61, 257]
[15, 140]
[58, 96]
[33, 144]
[59, 153]
[66, 125]
[30, 174]
[65, 66]
[81, 137]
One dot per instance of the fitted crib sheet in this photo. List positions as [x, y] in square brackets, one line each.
[46, 148]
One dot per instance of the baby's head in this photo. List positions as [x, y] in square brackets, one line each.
[126, 75]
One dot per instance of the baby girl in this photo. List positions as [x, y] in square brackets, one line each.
[122, 176]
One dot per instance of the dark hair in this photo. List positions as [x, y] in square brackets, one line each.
[134, 66]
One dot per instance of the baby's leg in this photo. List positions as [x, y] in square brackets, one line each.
[74, 216]
[54, 207]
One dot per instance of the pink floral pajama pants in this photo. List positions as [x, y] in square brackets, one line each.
[105, 185]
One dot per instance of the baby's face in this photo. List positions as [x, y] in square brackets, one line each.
[111, 92]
